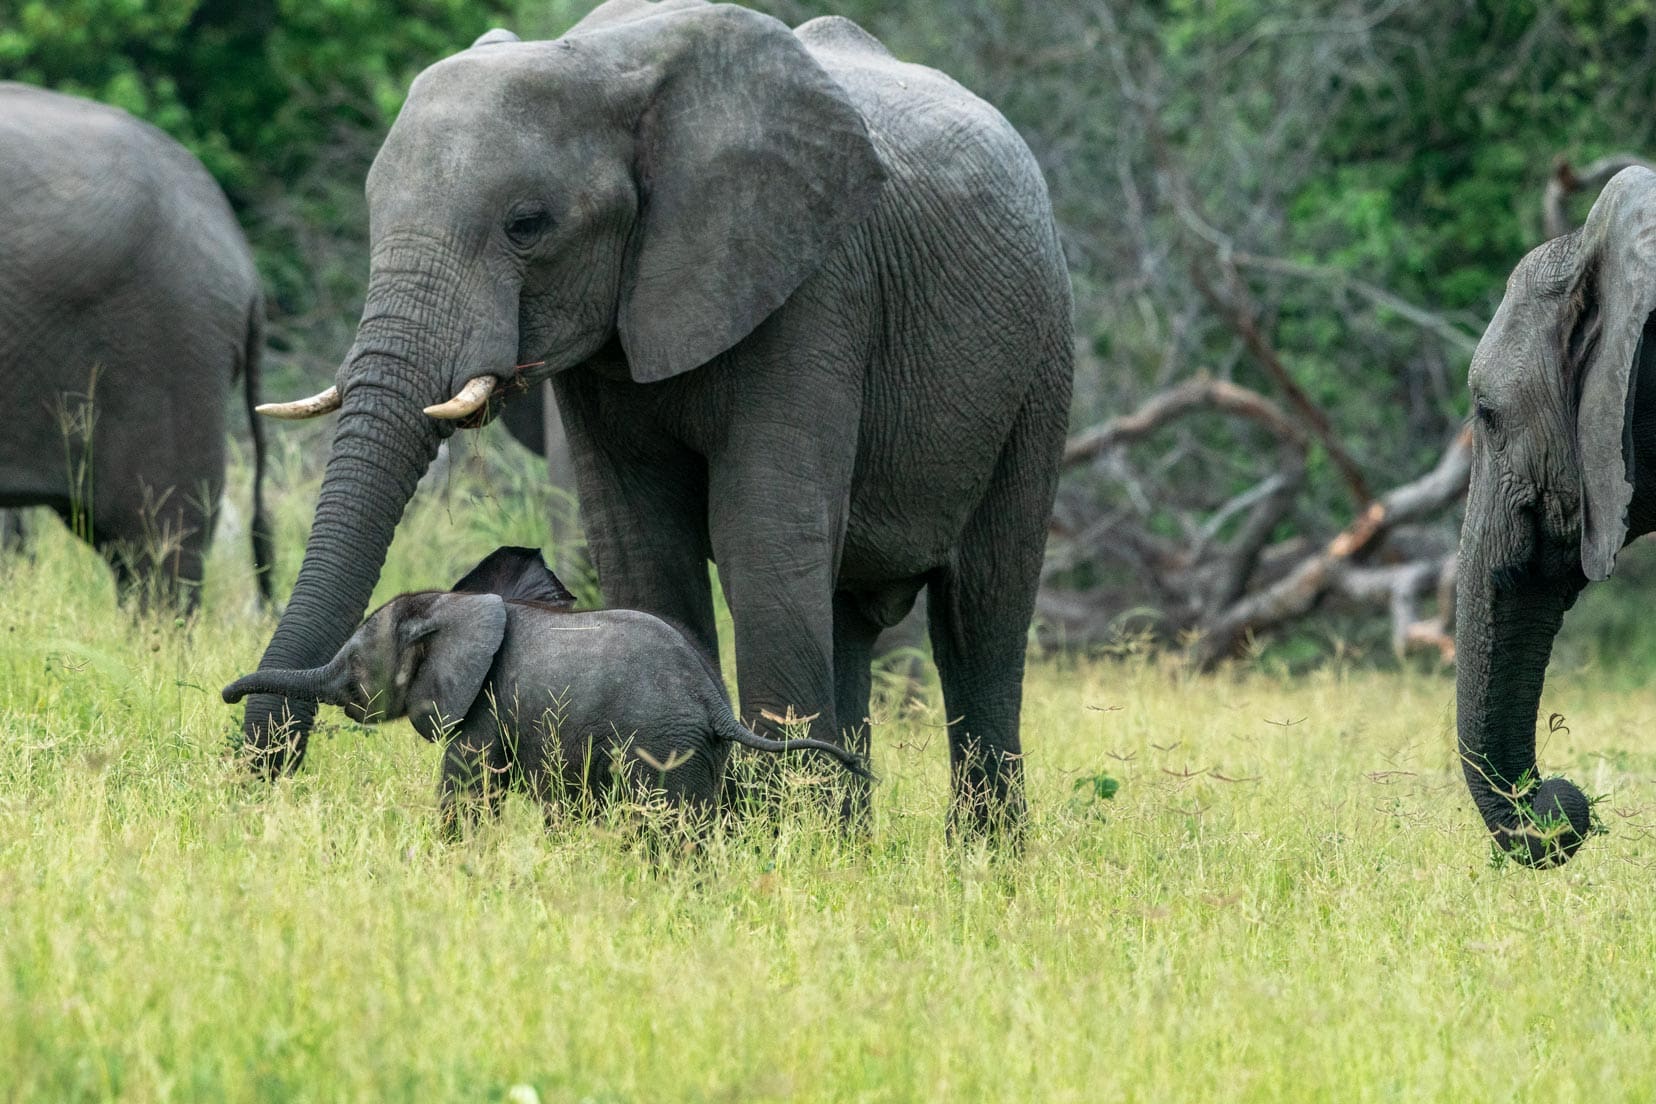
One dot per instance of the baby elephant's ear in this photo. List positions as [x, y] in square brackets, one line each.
[452, 645]
[516, 574]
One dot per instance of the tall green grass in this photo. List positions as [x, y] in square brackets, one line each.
[1288, 896]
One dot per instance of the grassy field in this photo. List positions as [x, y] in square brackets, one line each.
[1288, 897]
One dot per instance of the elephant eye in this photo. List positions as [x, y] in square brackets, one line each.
[527, 223]
[1489, 418]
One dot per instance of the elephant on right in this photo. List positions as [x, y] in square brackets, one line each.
[1564, 474]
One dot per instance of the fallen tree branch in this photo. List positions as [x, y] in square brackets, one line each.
[1221, 593]
[1431, 493]
[1330, 569]
[1238, 564]
[1175, 403]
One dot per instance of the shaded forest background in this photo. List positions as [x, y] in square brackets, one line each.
[1317, 203]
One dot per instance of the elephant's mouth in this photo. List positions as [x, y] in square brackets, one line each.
[1545, 548]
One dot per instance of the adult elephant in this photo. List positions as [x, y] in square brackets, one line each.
[129, 305]
[806, 314]
[1564, 392]
[533, 421]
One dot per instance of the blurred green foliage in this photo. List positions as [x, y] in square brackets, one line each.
[1436, 161]
[256, 88]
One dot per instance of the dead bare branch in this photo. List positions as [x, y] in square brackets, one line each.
[1175, 403]
[1238, 308]
[1331, 570]
[1444, 327]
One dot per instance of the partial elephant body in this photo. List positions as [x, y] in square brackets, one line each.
[921, 450]
[533, 420]
[129, 304]
[1564, 474]
[806, 314]
[589, 704]
[528, 695]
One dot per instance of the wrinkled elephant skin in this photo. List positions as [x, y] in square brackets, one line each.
[806, 314]
[1564, 474]
[129, 305]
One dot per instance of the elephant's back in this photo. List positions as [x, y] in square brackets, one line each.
[594, 669]
[117, 195]
[931, 131]
[124, 276]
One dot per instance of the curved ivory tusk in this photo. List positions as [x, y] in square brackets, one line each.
[468, 402]
[321, 403]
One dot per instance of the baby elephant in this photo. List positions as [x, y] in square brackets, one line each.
[532, 695]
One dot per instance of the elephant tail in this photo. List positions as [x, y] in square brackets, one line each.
[729, 728]
[264, 555]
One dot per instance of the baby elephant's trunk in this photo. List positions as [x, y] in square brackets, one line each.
[324, 684]
[733, 730]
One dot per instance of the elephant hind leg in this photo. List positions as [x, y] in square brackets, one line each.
[14, 531]
[979, 607]
[854, 636]
[860, 616]
[156, 544]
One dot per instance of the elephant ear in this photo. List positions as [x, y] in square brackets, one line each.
[752, 164]
[448, 646]
[1618, 247]
[516, 574]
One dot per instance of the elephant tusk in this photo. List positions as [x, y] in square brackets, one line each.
[321, 403]
[469, 401]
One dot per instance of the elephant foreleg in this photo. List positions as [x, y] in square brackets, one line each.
[778, 576]
[644, 500]
[474, 777]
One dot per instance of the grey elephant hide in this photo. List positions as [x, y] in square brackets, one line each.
[129, 306]
[1564, 473]
[807, 316]
[527, 695]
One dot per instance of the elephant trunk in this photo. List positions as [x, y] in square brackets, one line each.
[328, 684]
[383, 444]
[1504, 638]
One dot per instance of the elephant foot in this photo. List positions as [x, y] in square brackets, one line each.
[1556, 823]
[997, 819]
[278, 734]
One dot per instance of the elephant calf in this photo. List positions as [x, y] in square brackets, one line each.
[535, 696]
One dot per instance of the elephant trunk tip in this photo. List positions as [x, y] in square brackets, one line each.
[236, 691]
[1551, 826]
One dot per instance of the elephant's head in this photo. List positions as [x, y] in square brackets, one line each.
[665, 175]
[422, 656]
[1563, 405]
